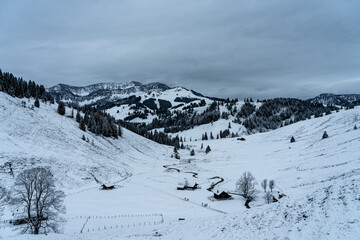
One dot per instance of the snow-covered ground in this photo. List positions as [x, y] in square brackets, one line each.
[321, 179]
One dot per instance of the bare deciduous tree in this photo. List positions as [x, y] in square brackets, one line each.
[268, 197]
[35, 194]
[264, 184]
[271, 184]
[245, 186]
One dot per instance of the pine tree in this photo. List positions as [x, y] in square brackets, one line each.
[72, 113]
[211, 135]
[86, 119]
[83, 137]
[119, 130]
[82, 125]
[325, 135]
[206, 136]
[208, 149]
[61, 108]
[355, 127]
[78, 117]
[192, 152]
[229, 125]
[292, 139]
[202, 146]
[37, 103]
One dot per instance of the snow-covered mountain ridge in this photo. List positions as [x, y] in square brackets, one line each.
[105, 94]
[336, 99]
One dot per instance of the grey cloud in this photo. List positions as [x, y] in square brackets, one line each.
[239, 48]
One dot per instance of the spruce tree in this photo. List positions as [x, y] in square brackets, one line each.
[37, 103]
[325, 135]
[292, 139]
[82, 125]
[192, 152]
[119, 130]
[61, 108]
[78, 117]
[355, 127]
[208, 149]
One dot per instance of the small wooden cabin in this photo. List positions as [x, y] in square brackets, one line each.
[222, 196]
[188, 187]
[104, 187]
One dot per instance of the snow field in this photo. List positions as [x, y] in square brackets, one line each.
[319, 176]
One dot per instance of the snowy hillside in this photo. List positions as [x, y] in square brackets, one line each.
[144, 108]
[320, 178]
[173, 99]
[42, 137]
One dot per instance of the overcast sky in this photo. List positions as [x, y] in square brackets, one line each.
[223, 48]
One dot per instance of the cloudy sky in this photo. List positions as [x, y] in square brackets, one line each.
[222, 48]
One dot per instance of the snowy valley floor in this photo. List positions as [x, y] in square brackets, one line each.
[321, 179]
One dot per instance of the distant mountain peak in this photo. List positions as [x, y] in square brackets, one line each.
[335, 99]
[105, 93]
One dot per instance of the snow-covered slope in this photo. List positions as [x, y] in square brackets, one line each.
[321, 178]
[42, 137]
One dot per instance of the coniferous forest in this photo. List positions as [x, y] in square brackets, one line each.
[18, 87]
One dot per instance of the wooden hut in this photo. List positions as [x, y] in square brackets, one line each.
[222, 196]
[188, 187]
